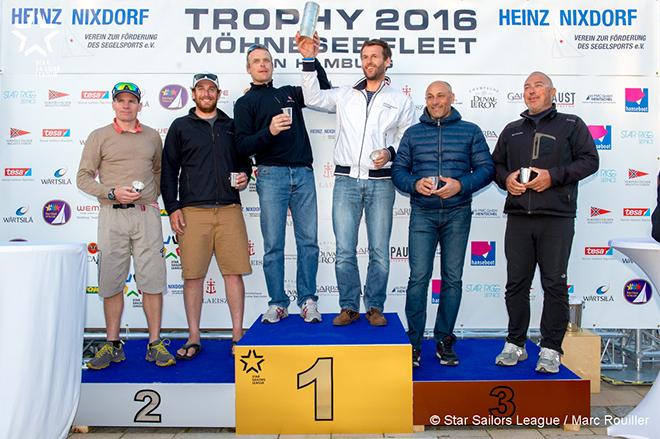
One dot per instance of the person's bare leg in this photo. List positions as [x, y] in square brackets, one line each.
[113, 307]
[152, 304]
[235, 291]
[193, 295]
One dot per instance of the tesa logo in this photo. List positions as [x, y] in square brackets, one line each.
[18, 172]
[56, 132]
[636, 211]
[94, 94]
[597, 251]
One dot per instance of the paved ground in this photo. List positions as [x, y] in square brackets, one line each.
[613, 400]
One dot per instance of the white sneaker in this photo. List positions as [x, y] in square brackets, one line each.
[549, 361]
[310, 312]
[511, 355]
[274, 314]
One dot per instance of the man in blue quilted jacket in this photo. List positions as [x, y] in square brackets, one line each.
[441, 162]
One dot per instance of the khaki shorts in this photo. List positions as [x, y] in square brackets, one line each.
[209, 230]
[124, 232]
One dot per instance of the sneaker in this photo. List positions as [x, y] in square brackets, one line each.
[416, 357]
[511, 355]
[158, 353]
[549, 361]
[310, 312]
[106, 355]
[345, 317]
[274, 314]
[445, 351]
[376, 317]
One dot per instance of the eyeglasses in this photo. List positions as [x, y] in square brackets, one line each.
[209, 76]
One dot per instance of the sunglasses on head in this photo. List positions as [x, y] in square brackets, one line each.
[254, 47]
[125, 86]
[209, 76]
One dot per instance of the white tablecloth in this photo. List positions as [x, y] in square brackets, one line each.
[42, 317]
[644, 420]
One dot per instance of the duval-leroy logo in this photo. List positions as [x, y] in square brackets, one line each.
[637, 100]
[602, 135]
[56, 212]
[482, 253]
[638, 291]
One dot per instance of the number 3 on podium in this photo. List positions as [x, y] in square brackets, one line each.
[320, 374]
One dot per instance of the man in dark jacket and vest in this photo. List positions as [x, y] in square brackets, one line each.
[539, 160]
[199, 158]
[441, 162]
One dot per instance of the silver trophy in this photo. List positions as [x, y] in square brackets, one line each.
[233, 176]
[309, 19]
[138, 186]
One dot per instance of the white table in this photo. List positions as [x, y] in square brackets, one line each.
[42, 297]
[645, 252]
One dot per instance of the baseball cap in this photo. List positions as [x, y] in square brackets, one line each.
[126, 87]
[205, 76]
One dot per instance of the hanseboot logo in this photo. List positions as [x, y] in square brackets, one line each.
[56, 212]
[436, 289]
[602, 135]
[482, 253]
[637, 100]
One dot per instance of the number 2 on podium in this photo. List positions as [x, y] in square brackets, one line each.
[321, 375]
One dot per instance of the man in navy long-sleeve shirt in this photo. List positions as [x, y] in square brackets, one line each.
[270, 126]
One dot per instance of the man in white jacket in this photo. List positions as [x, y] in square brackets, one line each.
[371, 119]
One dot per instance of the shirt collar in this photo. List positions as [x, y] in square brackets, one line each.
[119, 130]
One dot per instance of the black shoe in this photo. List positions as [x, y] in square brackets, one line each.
[445, 351]
[416, 357]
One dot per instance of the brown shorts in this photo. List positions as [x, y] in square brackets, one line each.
[124, 232]
[209, 230]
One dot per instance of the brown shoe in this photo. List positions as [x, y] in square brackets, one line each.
[345, 317]
[376, 318]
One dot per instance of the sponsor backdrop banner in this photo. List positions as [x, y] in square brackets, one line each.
[59, 59]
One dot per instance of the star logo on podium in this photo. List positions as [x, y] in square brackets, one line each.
[252, 361]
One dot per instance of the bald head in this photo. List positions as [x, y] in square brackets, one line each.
[439, 99]
[538, 92]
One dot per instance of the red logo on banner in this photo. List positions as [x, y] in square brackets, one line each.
[596, 211]
[94, 94]
[54, 94]
[55, 132]
[18, 172]
[635, 211]
[634, 173]
[596, 251]
[16, 132]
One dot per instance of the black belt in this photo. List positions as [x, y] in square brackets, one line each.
[373, 173]
[122, 206]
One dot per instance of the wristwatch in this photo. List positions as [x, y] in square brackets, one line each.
[111, 195]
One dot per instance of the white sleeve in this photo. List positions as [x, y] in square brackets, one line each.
[317, 99]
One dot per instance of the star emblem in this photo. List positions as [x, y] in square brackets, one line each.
[252, 361]
[27, 47]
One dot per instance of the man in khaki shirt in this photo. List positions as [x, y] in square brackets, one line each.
[126, 157]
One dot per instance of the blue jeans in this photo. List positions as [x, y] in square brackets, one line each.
[428, 228]
[281, 188]
[349, 198]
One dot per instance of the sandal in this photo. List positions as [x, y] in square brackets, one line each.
[197, 349]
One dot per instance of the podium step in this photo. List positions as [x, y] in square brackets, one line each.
[197, 393]
[478, 392]
[294, 377]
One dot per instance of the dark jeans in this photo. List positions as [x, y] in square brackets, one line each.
[546, 241]
[428, 228]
